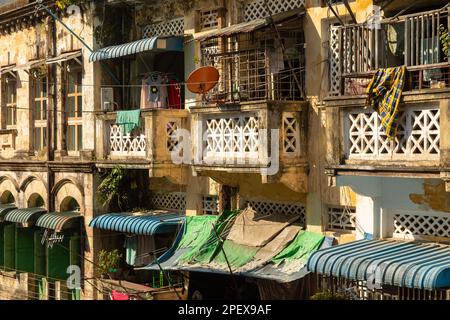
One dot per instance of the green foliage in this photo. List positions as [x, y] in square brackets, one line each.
[62, 4]
[445, 39]
[327, 295]
[109, 191]
[108, 261]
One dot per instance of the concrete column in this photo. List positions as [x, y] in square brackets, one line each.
[313, 212]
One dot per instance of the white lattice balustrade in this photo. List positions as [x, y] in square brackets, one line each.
[208, 19]
[174, 27]
[258, 9]
[168, 201]
[171, 142]
[341, 218]
[291, 208]
[233, 137]
[418, 135]
[334, 68]
[210, 204]
[410, 225]
[291, 134]
[128, 145]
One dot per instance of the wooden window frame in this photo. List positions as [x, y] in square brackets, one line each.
[41, 123]
[75, 119]
[10, 105]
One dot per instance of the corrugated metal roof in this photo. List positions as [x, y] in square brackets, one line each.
[249, 26]
[58, 220]
[5, 208]
[399, 263]
[142, 224]
[26, 216]
[147, 44]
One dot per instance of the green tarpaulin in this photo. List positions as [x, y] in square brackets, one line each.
[296, 254]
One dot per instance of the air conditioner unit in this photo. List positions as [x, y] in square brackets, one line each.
[107, 99]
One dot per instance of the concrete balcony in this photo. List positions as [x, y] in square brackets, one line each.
[147, 147]
[267, 138]
[357, 143]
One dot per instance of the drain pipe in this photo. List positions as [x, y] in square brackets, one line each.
[51, 114]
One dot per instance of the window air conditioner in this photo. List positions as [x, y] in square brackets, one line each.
[107, 99]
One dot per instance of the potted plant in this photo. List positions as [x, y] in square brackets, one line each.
[108, 263]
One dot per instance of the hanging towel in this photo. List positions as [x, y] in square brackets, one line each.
[128, 120]
[130, 245]
[385, 90]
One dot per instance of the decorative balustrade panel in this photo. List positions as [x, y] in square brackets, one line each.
[233, 137]
[210, 204]
[174, 27]
[341, 218]
[291, 208]
[291, 134]
[410, 225]
[168, 201]
[418, 135]
[334, 66]
[258, 9]
[128, 145]
[209, 19]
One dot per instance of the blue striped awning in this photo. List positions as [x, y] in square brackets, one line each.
[147, 44]
[59, 220]
[26, 216]
[389, 262]
[141, 224]
[5, 208]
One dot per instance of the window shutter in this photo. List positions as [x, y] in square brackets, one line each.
[58, 259]
[9, 244]
[75, 259]
[24, 255]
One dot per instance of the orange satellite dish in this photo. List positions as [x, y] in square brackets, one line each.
[203, 79]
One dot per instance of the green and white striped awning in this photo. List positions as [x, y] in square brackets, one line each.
[148, 44]
[26, 216]
[5, 208]
[59, 220]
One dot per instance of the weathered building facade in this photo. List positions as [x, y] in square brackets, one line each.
[285, 129]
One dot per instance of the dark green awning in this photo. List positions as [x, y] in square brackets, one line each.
[59, 220]
[5, 208]
[26, 216]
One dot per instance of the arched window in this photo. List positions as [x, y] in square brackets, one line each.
[7, 198]
[69, 204]
[35, 200]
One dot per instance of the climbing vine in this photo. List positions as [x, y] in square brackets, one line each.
[122, 189]
[62, 4]
[109, 191]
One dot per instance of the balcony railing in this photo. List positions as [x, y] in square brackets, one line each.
[154, 140]
[418, 135]
[126, 145]
[252, 75]
[357, 51]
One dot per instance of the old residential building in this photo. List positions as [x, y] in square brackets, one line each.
[93, 95]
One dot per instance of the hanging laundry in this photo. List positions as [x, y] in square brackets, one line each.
[154, 92]
[116, 295]
[174, 95]
[128, 120]
[131, 244]
[384, 94]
